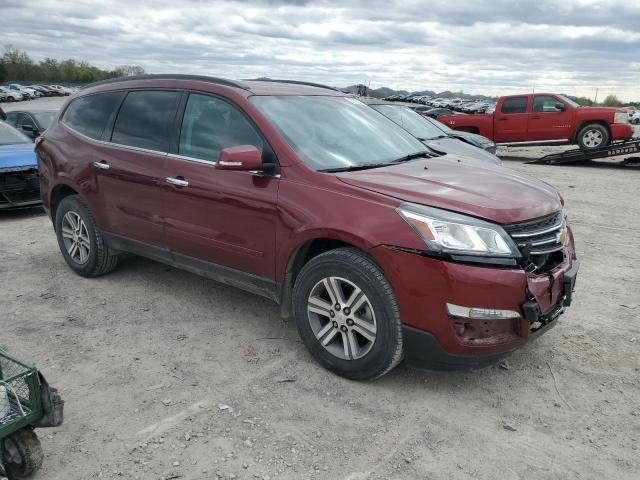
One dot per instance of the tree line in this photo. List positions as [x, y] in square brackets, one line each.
[17, 66]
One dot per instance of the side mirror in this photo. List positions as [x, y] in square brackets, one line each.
[560, 107]
[240, 157]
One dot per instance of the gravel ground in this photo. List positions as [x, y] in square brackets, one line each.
[169, 375]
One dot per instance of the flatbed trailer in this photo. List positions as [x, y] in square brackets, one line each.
[577, 155]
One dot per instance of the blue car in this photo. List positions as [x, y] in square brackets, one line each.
[19, 183]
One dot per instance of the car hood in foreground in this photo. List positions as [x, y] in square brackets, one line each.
[462, 185]
[461, 148]
[17, 156]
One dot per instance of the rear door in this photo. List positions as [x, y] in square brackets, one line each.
[550, 119]
[128, 166]
[221, 217]
[511, 120]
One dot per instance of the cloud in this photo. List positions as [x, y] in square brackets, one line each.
[502, 46]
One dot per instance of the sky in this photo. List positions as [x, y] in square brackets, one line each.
[493, 47]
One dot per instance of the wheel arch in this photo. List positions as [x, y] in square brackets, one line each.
[586, 123]
[300, 256]
[58, 193]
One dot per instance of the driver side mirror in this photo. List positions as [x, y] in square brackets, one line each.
[240, 157]
[560, 107]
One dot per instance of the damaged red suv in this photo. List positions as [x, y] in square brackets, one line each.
[378, 247]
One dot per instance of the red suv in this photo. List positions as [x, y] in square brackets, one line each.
[378, 247]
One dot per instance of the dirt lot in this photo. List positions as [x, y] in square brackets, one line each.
[168, 375]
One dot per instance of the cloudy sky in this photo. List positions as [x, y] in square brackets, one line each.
[492, 47]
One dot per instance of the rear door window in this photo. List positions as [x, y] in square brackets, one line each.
[515, 105]
[211, 124]
[145, 119]
[90, 114]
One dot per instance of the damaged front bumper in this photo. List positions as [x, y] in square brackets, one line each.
[19, 188]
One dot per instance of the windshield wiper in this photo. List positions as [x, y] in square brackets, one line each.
[353, 168]
[413, 156]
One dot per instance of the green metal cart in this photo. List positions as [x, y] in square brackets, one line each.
[26, 402]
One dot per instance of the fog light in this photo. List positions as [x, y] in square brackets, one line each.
[480, 313]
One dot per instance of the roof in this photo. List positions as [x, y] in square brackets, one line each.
[250, 87]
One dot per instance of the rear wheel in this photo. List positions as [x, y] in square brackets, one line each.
[347, 314]
[21, 454]
[593, 136]
[81, 241]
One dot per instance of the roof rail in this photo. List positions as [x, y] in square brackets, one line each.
[296, 82]
[203, 78]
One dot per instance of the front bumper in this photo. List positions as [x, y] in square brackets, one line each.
[19, 188]
[435, 339]
[621, 131]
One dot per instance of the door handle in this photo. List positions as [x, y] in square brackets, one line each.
[535, 117]
[178, 182]
[101, 165]
[502, 119]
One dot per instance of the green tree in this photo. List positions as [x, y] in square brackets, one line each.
[611, 101]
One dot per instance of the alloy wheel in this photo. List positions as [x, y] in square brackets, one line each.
[342, 318]
[76, 237]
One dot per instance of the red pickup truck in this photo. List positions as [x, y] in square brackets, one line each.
[545, 118]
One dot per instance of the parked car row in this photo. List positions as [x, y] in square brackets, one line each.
[15, 92]
[451, 104]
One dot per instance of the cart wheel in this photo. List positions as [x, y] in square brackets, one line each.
[22, 453]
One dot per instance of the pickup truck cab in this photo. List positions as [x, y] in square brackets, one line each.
[546, 118]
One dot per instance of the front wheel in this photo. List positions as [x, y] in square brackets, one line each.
[347, 314]
[21, 454]
[593, 136]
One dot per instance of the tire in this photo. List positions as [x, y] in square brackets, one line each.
[22, 453]
[593, 136]
[376, 315]
[92, 257]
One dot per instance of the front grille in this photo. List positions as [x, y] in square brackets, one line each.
[542, 236]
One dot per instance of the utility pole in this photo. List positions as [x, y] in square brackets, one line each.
[596, 100]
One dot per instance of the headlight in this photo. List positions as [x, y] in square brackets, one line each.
[621, 117]
[449, 232]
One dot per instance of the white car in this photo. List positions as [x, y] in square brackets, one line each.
[11, 95]
[634, 118]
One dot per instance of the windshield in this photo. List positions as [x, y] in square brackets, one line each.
[44, 119]
[11, 136]
[411, 121]
[569, 101]
[336, 132]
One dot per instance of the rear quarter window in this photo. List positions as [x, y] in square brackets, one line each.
[90, 114]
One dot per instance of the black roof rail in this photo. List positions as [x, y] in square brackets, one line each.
[203, 78]
[296, 82]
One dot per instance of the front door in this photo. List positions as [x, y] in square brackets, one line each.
[549, 119]
[511, 120]
[221, 217]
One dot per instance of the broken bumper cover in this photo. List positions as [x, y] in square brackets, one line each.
[19, 188]
[422, 349]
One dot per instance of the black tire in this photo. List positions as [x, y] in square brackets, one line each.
[360, 269]
[23, 444]
[100, 259]
[593, 127]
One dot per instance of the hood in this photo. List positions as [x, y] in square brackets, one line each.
[462, 185]
[18, 155]
[471, 137]
[460, 148]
